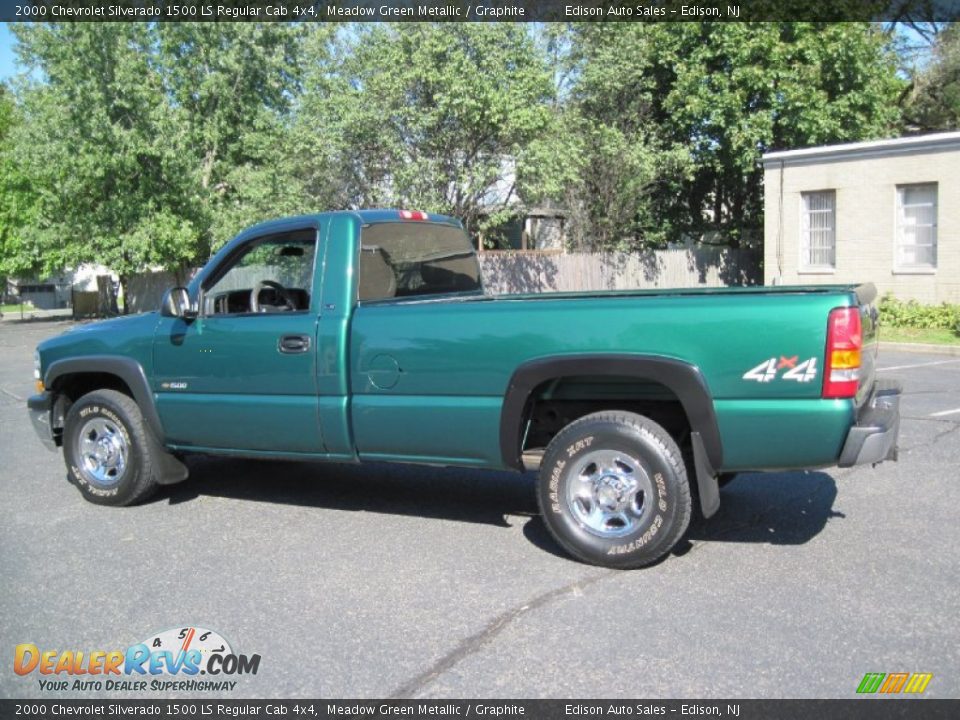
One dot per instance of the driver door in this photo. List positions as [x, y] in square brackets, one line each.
[242, 375]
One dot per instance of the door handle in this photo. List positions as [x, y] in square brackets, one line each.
[290, 344]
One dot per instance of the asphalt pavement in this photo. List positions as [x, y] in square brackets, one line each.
[400, 581]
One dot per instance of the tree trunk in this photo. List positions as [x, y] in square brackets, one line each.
[126, 298]
[105, 301]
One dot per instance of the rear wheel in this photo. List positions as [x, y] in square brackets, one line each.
[613, 490]
[106, 449]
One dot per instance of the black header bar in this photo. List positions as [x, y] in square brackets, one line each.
[212, 709]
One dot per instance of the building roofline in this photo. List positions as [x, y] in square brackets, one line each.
[546, 212]
[872, 148]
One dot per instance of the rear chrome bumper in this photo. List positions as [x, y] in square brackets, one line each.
[874, 438]
[39, 407]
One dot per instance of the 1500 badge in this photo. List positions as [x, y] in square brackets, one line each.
[798, 371]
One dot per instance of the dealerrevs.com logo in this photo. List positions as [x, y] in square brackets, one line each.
[168, 661]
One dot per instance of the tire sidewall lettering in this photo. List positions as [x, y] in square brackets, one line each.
[661, 491]
[560, 474]
[554, 485]
[86, 413]
[649, 534]
[657, 530]
[579, 445]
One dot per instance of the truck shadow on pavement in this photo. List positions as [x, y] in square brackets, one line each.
[788, 508]
[463, 495]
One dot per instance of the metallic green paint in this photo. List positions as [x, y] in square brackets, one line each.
[338, 291]
[423, 380]
[220, 381]
[130, 337]
[782, 434]
[448, 429]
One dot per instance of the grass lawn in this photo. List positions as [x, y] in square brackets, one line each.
[15, 308]
[914, 335]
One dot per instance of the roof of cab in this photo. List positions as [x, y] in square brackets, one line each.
[366, 217]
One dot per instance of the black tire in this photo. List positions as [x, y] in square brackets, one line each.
[113, 420]
[640, 528]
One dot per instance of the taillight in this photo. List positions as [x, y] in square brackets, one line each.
[841, 375]
[413, 215]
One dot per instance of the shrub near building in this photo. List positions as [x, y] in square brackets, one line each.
[898, 314]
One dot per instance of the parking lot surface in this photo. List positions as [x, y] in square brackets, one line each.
[384, 581]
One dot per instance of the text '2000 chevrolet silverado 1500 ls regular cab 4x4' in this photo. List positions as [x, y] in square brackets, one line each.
[358, 336]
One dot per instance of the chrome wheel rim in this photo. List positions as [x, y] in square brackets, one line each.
[102, 451]
[609, 493]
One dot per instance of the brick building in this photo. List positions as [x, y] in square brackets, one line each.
[887, 212]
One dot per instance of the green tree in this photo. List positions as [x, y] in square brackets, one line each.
[934, 103]
[439, 117]
[153, 143]
[96, 142]
[625, 162]
[19, 255]
[144, 145]
[724, 93]
[233, 88]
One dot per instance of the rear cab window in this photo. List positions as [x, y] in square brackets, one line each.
[416, 259]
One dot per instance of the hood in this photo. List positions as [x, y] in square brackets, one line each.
[117, 324]
[131, 335]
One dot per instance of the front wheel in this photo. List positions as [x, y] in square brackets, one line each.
[106, 449]
[613, 490]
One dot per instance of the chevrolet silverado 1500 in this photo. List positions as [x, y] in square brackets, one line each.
[360, 336]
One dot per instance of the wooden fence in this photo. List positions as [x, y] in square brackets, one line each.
[523, 272]
[145, 291]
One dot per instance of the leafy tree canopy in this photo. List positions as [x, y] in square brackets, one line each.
[19, 253]
[148, 145]
[934, 103]
[437, 117]
[707, 99]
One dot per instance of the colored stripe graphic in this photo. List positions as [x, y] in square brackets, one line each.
[918, 682]
[894, 682]
[871, 682]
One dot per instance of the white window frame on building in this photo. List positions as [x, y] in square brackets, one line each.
[818, 231]
[916, 219]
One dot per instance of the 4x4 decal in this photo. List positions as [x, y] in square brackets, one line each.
[768, 369]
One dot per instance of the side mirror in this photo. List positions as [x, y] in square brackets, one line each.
[176, 303]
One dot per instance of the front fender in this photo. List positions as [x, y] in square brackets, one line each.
[126, 369]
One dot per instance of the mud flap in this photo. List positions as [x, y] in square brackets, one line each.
[709, 489]
[170, 470]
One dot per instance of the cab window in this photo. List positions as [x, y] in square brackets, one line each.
[273, 274]
[404, 259]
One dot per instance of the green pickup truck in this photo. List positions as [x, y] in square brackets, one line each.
[367, 336]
